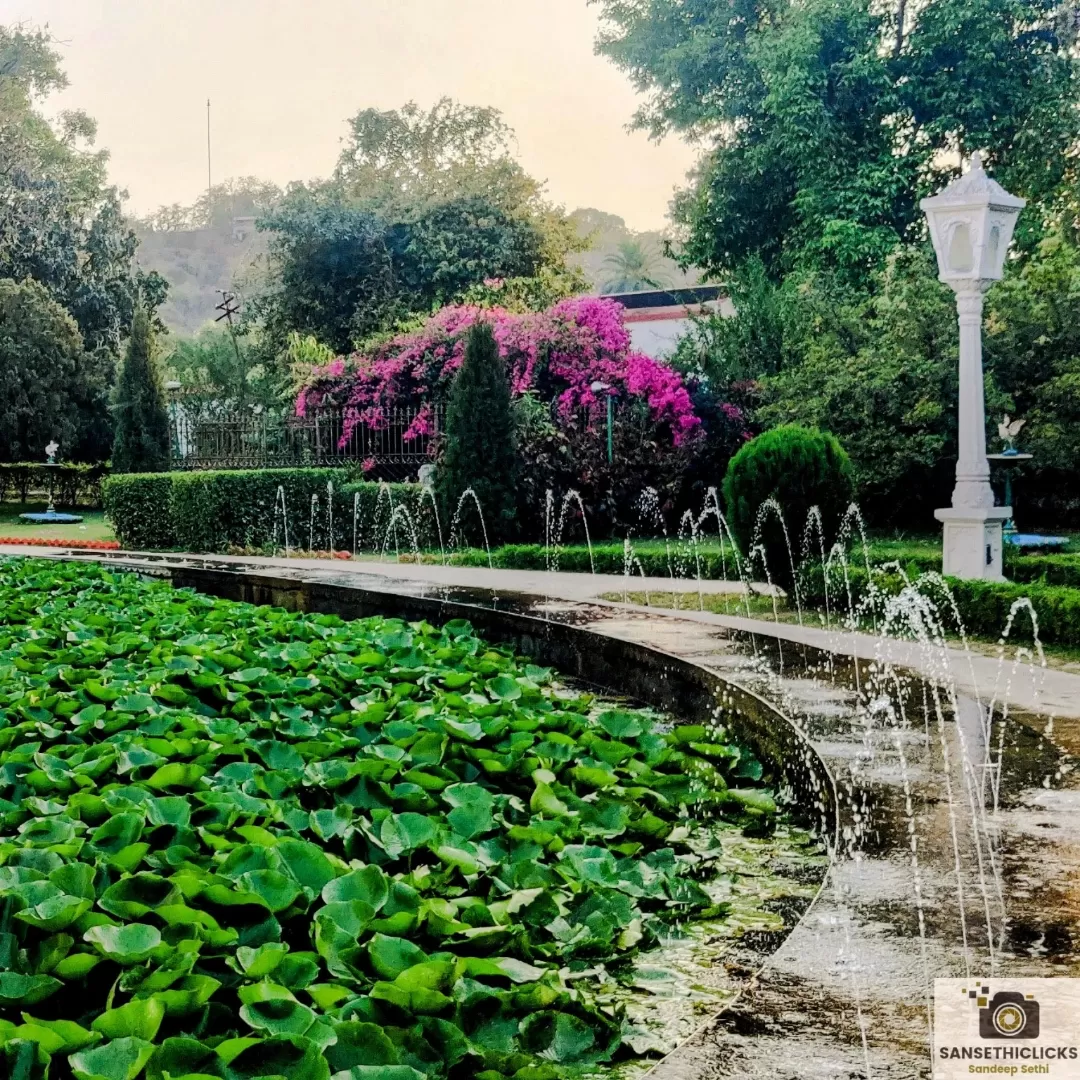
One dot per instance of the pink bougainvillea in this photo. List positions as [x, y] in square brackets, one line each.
[558, 354]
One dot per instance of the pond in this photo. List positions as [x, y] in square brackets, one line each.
[241, 842]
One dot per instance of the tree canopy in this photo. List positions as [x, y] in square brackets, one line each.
[423, 209]
[61, 223]
[826, 120]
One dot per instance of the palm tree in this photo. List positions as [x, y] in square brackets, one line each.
[632, 267]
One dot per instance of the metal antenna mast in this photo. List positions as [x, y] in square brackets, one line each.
[209, 184]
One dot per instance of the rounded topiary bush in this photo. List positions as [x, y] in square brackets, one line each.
[798, 467]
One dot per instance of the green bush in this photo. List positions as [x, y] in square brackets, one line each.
[984, 606]
[141, 438]
[798, 467]
[139, 507]
[1047, 569]
[480, 439]
[217, 511]
[73, 484]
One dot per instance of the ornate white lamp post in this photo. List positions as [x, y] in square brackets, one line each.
[971, 225]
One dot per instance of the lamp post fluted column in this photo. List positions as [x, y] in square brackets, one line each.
[972, 469]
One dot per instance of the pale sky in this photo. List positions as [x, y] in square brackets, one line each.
[284, 75]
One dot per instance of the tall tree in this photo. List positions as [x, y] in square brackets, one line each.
[827, 119]
[61, 223]
[142, 421]
[42, 373]
[632, 266]
[423, 208]
[479, 453]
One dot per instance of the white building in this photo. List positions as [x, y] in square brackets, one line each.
[658, 318]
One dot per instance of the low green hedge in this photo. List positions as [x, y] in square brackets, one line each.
[72, 484]
[1046, 569]
[219, 511]
[984, 606]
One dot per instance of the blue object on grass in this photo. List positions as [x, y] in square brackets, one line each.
[1034, 540]
[51, 517]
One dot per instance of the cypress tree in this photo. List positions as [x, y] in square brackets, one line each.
[479, 452]
[141, 442]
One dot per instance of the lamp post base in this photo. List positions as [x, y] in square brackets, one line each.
[973, 541]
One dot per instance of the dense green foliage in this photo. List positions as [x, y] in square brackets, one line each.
[798, 468]
[215, 511]
[62, 223]
[479, 453]
[422, 210]
[828, 120]
[142, 439]
[984, 607]
[50, 387]
[218, 373]
[240, 843]
[72, 484]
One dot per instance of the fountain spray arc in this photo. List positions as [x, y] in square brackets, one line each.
[971, 223]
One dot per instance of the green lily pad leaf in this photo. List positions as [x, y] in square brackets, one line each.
[753, 799]
[17, 989]
[76, 965]
[130, 944]
[276, 890]
[176, 775]
[55, 913]
[134, 703]
[360, 1044]
[278, 1016]
[402, 833]
[369, 884]
[390, 956]
[621, 725]
[379, 1072]
[117, 833]
[559, 1037]
[259, 962]
[121, 1059]
[505, 688]
[133, 897]
[306, 865]
[290, 1056]
[139, 1019]
[66, 1034]
[181, 1058]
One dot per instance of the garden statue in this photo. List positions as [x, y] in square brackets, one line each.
[426, 476]
[50, 450]
[1007, 432]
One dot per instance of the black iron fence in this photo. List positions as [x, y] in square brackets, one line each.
[256, 439]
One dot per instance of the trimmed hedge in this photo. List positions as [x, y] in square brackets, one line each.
[1046, 569]
[607, 558]
[218, 511]
[984, 606]
[73, 484]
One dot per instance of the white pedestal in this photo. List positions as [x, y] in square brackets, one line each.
[973, 541]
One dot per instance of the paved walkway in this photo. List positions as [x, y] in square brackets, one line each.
[1028, 687]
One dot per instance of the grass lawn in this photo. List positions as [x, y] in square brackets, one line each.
[92, 527]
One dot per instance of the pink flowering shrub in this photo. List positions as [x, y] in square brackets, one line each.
[557, 354]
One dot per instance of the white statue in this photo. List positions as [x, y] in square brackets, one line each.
[1007, 432]
[51, 451]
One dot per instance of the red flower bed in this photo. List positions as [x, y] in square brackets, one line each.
[34, 541]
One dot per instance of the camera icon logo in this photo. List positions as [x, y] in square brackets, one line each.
[1007, 1015]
